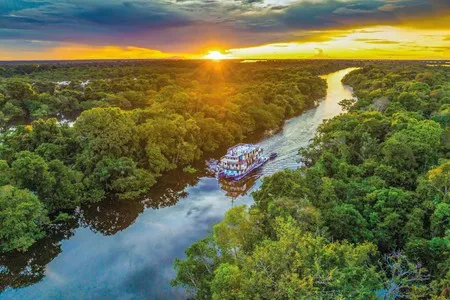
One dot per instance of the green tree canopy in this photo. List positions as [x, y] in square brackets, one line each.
[22, 216]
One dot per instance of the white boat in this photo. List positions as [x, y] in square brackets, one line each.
[240, 161]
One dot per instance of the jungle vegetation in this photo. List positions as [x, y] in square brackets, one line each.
[367, 216]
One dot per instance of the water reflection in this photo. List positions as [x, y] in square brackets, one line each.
[125, 249]
[111, 216]
[24, 269]
[238, 188]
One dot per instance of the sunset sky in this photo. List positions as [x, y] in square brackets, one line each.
[247, 29]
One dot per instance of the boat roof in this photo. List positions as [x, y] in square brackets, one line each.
[240, 149]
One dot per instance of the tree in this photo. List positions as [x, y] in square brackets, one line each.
[281, 184]
[307, 216]
[50, 151]
[388, 213]
[197, 270]
[345, 222]
[2, 120]
[227, 283]
[236, 234]
[12, 111]
[67, 190]
[45, 131]
[176, 138]
[439, 179]
[440, 220]
[404, 279]
[136, 99]
[212, 134]
[5, 173]
[56, 185]
[423, 137]
[121, 177]
[21, 218]
[293, 265]
[107, 132]
[410, 101]
[156, 161]
[19, 90]
[30, 171]
[347, 104]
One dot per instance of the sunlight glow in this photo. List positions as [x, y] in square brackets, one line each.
[216, 55]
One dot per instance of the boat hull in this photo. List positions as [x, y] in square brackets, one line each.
[250, 170]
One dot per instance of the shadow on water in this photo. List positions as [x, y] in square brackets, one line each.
[125, 249]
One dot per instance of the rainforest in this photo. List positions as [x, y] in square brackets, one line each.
[361, 211]
[225, 149]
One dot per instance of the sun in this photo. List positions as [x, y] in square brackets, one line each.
[216, 55]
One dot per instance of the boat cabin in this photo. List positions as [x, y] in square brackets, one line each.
[239, 159]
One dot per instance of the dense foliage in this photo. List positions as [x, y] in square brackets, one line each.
[366, 217]
[32, 91]
[137, 121]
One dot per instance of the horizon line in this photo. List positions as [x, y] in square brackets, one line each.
[212, 60]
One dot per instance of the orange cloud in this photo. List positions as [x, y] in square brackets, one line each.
[379, 42]
[110, 52]
[73, 51]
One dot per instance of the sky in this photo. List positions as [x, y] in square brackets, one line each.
[244, 29]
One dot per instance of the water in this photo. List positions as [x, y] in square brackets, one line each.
[125, 249]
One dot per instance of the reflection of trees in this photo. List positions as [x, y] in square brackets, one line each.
[172, 187]
[113, 215]
[19, 269]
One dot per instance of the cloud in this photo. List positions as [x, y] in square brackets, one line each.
[79, 13]
[389, 7]
[131, 16]
[192, 25]
[351, 11]
[50, 51]
[376, 41]
[318, 53]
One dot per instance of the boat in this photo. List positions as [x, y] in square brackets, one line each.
[240, 161]
[273, 155]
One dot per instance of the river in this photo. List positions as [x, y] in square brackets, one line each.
[126, 249]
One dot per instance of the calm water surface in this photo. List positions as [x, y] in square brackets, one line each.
[125, 249]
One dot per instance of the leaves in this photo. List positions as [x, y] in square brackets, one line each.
[21, 218]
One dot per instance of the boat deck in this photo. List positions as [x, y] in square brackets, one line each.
[241, 149]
